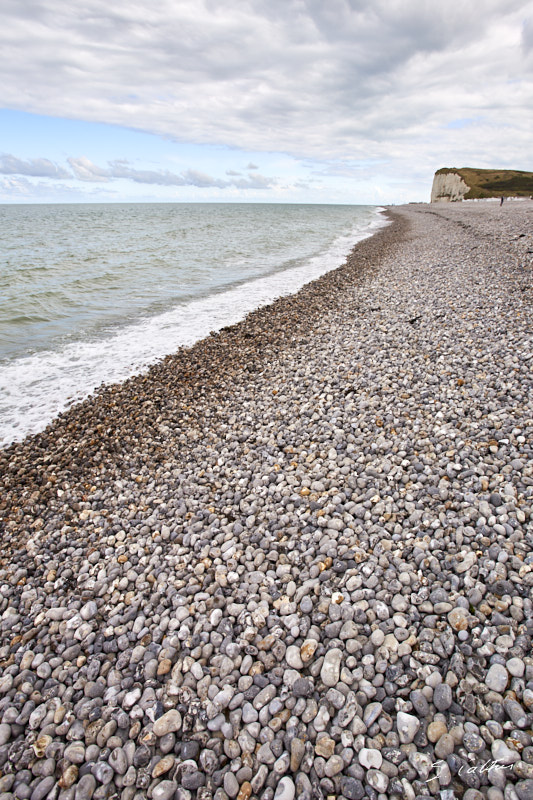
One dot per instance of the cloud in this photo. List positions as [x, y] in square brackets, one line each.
[21, 189]
[254, 182]
[195, 178]
[83, 169]
[252, 166]
[527, 36]
[15, 186]
[346, 79]
[34, 167]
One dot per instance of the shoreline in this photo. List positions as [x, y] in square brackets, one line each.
[295, 557]
[40, 385]
[194, 362]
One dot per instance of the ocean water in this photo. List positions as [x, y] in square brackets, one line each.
[92, 294]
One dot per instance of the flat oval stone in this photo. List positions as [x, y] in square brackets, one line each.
[164, 790]
[163, 766]
[264, 697]
[43, 788]
[445, 746]
[377, 780]
[516, 667]
[524, 789]
[75, 753]
[331, 667]
[231, 785]
[307, 650]
[297, 753]
[334, 765]
[118, 760]
[5, 732]
[293, 657]
[168, 723]
[85, 788]
[497, 678]
[442, 696]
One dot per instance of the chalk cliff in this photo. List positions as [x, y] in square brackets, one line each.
[467, 183]
[448, 187]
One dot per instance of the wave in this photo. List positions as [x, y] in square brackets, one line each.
[39, 386]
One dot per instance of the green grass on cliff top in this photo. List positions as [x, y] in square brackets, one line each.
[493, 182]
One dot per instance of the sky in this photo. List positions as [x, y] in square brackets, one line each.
[291, 101]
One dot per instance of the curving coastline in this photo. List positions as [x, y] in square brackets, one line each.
[294, 560]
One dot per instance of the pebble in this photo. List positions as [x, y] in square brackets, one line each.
[5, 733]
[297, 754]
[524, 789]
[497, 678]
[164, 765]
[369, 758]
[371, 713]
[442, 697]
[503, 754]
[85, 787]
[325, 746]
[231, 784]
[436, 729]
[164, 790]
[168, 723]
[445, 746]
[334, 765]
[266, 565]
[352, 789]
[285, 790]
[515, 667]
[408, 726]
[377, 780]
[331, 667]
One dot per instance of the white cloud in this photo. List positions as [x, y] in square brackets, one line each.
[83, 169]
[353, 80]
[22, 189]
[35, 167]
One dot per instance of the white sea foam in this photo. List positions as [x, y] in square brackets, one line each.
[36, 388]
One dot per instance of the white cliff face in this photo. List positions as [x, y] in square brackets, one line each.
[448, 187]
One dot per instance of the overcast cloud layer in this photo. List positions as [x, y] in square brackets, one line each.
[406, 85]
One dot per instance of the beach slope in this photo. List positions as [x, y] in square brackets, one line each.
[294, 560]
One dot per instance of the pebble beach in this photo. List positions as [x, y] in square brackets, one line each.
[294, 561]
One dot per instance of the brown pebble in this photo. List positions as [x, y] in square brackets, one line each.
[164, 765]
[164, 666]
[245, 791]
[69, 777]
[325, 747]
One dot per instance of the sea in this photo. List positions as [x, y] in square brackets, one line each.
[93, 294]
